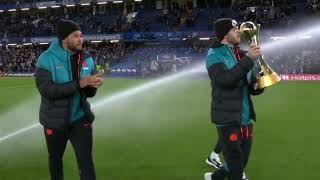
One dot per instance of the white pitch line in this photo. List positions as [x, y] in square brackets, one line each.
[15, 87]
[25, 129]
[117, 96]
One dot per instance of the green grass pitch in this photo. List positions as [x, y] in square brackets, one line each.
[165, 133]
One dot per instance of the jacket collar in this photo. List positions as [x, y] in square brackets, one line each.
[56, 49]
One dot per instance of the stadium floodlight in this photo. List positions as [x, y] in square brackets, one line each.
[55, 6]
[70, 5]
[204, 39]
[27, 44]
[117, 2]
[114, 41]
[42, 7]
[184, 39]
[275, 38]
[12, 10]
[1, 11]
[43, 43]
[12, 44]
[85, 4]
[304, 37]
[138, 0]
[25, 9]
[100, 3]
[96, 41]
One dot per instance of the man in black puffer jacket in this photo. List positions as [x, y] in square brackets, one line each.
[65, 77]
[232, 82]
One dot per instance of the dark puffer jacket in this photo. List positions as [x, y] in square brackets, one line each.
[228, 77]
[57, 75]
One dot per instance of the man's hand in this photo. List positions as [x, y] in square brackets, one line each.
[98, 81]
[93, 80]
[254, 52]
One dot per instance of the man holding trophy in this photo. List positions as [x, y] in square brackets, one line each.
[233, 82]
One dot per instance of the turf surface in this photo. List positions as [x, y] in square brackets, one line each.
[165, 133]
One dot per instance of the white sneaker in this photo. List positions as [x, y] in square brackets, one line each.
[215, 162]
[207, 176]
[244, 177]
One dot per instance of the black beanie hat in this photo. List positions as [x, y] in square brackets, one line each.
[223, 26]
[65, 28]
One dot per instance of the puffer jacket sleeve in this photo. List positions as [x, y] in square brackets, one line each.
[90, 91]
[228, 78]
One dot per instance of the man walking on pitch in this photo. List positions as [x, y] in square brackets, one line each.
[232, 82]
[65, 77]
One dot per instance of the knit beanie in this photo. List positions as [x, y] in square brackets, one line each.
[223, 26]
[65, 28]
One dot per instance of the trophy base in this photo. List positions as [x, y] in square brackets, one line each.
[268, 80]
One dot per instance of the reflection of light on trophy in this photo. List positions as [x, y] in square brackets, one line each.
[266, 76]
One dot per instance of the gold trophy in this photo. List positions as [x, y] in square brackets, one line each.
[266, 76]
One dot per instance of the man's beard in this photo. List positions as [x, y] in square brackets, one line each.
[74, 48]
[236, 42]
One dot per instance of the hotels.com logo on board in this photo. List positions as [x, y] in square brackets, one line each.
[300, 77]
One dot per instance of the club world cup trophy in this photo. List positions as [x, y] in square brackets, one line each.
[266, 76]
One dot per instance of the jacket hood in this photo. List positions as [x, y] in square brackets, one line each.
[56, 49]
